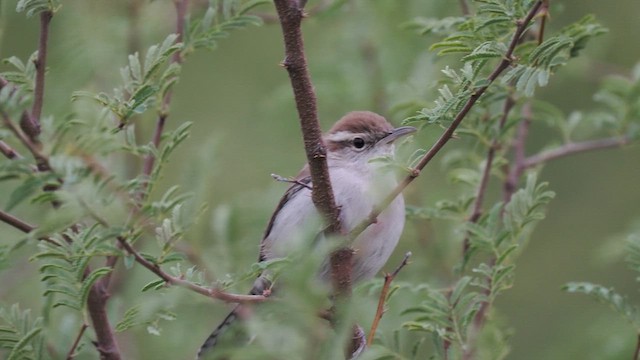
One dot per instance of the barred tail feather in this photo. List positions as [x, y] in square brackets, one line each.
[259, 286]
[212, 340]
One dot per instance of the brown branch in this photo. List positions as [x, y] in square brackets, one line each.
[448, 133]
[42, 160]
[574, 148]
[33, 121]
[388, 278]
[16, 223]
[636, 353]
[514, 174]
[71, 354]
[8, 151]
[290, 13]
[544, 11]
[211, 293]
[484, 181]
[181, 13]
[97, 307]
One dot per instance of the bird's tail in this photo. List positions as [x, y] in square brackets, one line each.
[212, 340]
[259, 286]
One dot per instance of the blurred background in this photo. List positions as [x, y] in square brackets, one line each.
[360, 58]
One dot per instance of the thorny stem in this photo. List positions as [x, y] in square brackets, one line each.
[448, 133]
[388, 278]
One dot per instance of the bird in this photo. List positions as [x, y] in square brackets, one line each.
[359, 185]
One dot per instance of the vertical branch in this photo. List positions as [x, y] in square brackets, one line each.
[290, 13]
[181, 12]
[484, 181]
[32, 123]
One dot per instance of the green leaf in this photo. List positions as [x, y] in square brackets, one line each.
[609, 297]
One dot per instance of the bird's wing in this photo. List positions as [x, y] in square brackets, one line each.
[301, 181]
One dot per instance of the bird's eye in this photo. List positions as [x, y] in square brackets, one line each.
[358, 143]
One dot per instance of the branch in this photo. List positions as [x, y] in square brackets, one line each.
[484, 181]
[448, 133]
[181, 13]
[33, 130]
[388, 278]
[8, 151]
[16, 223]
[519, 144]
[636, 353]
[211, 293]
[42, 160]
[290, 13]
[71, 354]
[574, 148]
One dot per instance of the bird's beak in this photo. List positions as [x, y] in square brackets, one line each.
[397, 133]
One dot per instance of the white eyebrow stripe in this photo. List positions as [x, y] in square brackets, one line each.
[341, 136]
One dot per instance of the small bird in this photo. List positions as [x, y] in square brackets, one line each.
[358, 185]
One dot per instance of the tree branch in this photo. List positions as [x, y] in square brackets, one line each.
[574, 148]
[72, 352]
[181, 13]
[16, 223]
[42, 160]
[448, 133]
[484, 181]
[8, 151]
[211, 293]
[33, 129]
[388, 278]
[290, 13]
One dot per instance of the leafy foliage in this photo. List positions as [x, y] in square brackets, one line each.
[64, 270]
[20, 336]
[145, 84]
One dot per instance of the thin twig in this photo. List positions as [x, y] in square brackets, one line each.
[484, 181]
[574, 148]
[544, 11]
[636, 353]
[71, 354]
[519, 150]
[181, 13]
[211, 293]
[448, 133]
[388, 278]
[41, 159]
